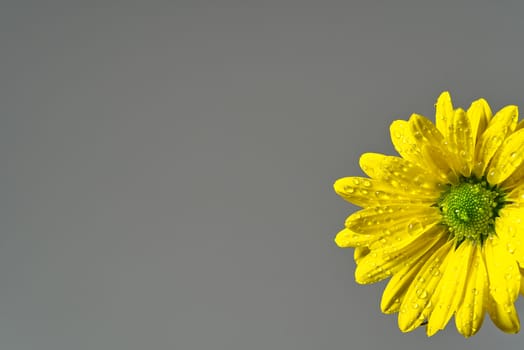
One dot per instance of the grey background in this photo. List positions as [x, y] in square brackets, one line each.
[167, 167]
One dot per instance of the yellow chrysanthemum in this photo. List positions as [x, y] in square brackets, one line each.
[445, 220]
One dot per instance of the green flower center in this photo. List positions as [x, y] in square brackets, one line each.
[469, 209]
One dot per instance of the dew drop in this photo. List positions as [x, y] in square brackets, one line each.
[508, 308]
[382, 195]
[413, 227]
[422, 293]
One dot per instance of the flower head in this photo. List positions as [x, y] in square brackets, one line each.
[445, 220]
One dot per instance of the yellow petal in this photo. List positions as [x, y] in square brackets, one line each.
[507, 159]
[423, 129]
[383, 262]
[503, 271]
[415, 307]
[470, 313]
[405, 143]
[514, 180]
[398, 284]
[504, 316]
[427, 137]
[503, 123]
[366, 192]
[450, 290]
[400, 173]
[403, 234]
[385, 220]
[349, 239]
[479, 115]
[444, 112]
[382, 226]
[461, 143]
[509, 228]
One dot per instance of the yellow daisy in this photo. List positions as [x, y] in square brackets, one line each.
[445, 221]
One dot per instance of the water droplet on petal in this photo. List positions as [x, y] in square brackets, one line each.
[508, 308]
[422, 293]
[414, 226]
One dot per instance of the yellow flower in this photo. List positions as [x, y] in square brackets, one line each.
[445, 221]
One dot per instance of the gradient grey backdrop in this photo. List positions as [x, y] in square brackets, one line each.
[167, 167]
